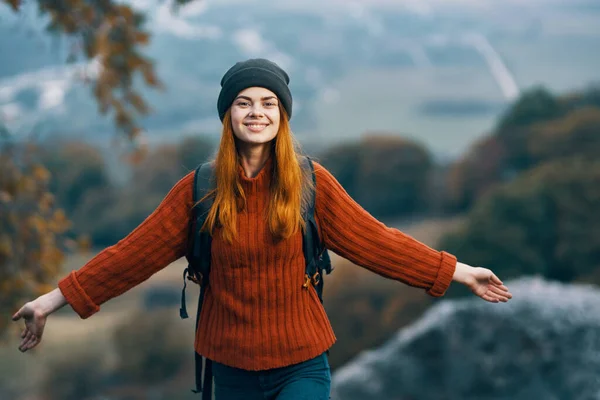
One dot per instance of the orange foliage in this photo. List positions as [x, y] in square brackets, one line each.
[32, 230]
[112, 34]
[15, 4]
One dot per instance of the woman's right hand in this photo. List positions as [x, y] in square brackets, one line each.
[35, 321]
[35, 313]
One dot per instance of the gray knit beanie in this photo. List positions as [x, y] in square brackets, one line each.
[254, 72]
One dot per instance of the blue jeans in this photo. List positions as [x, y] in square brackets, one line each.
[308, 380]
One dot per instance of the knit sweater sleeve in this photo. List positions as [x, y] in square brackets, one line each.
[351, 232]
[154, 244]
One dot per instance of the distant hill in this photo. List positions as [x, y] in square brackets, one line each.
[441, 71]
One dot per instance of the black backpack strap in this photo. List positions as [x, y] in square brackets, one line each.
[202, 253]
[315, 254]
[198, 270]
[191, 243]
[202, 269]
[198, 249]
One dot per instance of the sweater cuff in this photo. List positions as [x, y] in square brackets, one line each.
[81, 303]
[444, 276]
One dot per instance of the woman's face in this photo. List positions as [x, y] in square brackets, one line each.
[255, 115]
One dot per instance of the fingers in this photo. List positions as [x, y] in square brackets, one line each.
[32, 343]
[29, 345]
[495, 295]
[501, 291]
[24, 333]
[496, 280]
[490, 298]
[29, 342]
[25, 341]
[17, 316]
[503, 299]
[494, 298]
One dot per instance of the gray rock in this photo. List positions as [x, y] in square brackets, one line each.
[543, 344]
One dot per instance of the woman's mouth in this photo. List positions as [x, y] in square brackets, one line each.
[256, 127]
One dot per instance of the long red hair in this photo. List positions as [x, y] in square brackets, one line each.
[288, 189]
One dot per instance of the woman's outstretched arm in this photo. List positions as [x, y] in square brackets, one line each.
[353, 233]
[156, 243]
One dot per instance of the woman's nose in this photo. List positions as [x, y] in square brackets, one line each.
[256, 111]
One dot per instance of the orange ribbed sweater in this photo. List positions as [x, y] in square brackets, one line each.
[256, 313]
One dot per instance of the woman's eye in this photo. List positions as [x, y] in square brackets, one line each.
[243, 104]
[270, 104]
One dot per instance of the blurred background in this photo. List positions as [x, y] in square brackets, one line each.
[473, 126]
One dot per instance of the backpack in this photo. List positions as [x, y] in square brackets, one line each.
[199, 256]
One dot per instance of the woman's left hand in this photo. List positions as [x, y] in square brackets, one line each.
[482, 282]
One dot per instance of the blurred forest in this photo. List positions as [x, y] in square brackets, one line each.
[521, 201]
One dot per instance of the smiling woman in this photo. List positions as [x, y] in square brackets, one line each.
[262, 327]
[255, 116]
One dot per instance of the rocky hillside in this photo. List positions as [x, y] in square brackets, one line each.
[544, 344]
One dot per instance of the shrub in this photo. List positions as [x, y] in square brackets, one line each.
[387, 175]
[544, 223]
[538, 128]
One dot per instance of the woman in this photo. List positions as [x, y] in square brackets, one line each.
[266, 336]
